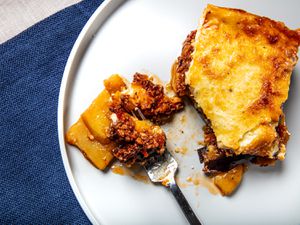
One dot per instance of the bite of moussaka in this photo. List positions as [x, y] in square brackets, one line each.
[112, 128]
[236, 68]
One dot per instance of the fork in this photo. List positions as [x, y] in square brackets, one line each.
[163, 171]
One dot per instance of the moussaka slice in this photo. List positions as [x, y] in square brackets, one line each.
[236, 68]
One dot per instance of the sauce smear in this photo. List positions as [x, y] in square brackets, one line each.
[135, 172]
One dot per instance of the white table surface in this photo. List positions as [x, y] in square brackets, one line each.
[18, 15]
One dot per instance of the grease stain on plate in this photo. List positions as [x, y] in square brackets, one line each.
[198, 179]
[137, 173]
[182, 150]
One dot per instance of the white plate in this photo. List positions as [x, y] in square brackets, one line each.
[146, 35]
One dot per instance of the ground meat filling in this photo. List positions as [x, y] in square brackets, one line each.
[182, 65]
[150, 99]
[140, 141]
[282, 131]
[135, 145]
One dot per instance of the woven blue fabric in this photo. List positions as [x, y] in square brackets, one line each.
[34, 188]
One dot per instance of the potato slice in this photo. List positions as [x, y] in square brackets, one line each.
[229, 181]
[97, 117]
[98, 154]
[114, 83]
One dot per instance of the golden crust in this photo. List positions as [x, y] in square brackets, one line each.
[240, 75]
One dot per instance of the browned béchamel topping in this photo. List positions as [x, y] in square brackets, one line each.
[237, 69]
[240, 75]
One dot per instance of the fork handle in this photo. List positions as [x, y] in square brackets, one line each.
[183, 203]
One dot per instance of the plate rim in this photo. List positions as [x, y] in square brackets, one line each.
[104, 10]
[69, 74]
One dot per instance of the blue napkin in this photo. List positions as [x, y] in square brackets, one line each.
[34, 188]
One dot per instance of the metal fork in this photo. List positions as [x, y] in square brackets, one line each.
[163, 171]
